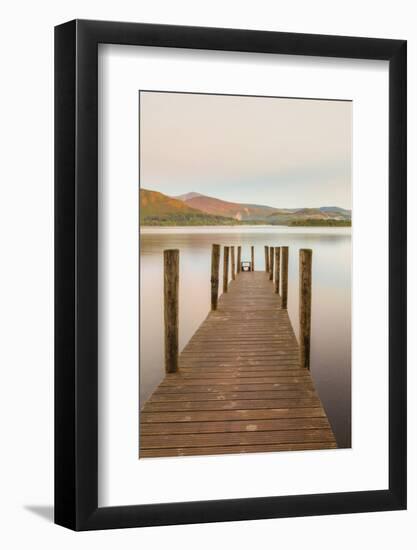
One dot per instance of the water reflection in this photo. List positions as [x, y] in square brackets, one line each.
[331, 307]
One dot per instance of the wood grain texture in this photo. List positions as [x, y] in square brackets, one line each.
[239, 259]
[236, 449]
[284, 276]
[225, 268]
[239, 386]
[305, 306]
[277, 268]
[271, 263]
[233, 262]
[171, 286]
[214, 279]
[266, 259]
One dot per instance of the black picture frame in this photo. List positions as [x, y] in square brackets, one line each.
[76, 272]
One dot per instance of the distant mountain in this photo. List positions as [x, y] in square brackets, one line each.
[261, 213]
[320, 215]
[196, 209]
[342, 211]
[218, 207]
[159, 209]
[188, 196]
[335, 212]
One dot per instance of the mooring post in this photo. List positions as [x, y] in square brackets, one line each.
[271, 263]
[171, 285]
[233, 266]
[215, 265]
[225, 268]
[266, 259]
[277, 268]
[239, 259]
[252, 257]
[305, 306]
[284, 276]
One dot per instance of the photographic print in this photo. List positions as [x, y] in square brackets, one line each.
[215, 324]
[245, 209]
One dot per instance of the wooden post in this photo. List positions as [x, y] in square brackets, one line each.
[284, 276]
[266, 259]
[225, 268]
[232, 252]
[271, 263]
[277, 268]
[239, 259]
[305, 306]
[171, 285]
[252, 256]
[215, 264]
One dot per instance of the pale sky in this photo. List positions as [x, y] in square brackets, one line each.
[285, 153]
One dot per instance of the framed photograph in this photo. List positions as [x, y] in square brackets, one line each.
[230, 244]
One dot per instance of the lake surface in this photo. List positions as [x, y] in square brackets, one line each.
[331, 300]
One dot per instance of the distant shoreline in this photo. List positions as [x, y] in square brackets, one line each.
[242, 228]
[308, 223]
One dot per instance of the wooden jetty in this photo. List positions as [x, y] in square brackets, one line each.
[242, 383]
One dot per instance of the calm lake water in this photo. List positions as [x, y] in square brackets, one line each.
[331, 302]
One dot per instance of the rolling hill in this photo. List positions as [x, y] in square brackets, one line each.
[256, 213]
[217, 207]
[158, 209]
[196, 209]
[314, 216]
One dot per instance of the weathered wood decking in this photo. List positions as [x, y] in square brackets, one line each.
[239, 388]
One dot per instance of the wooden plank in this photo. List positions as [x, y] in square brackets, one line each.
[192, 373]
[261, 370]
[232, 387]
[242, 361]
[254, 414]
[245, 351]
[242, 404]
[184, 376]
[282, 359]
[170, 428]
[277, 365]
[231, 356]
[241, 377]
[242, 438]
[234, 380]
[237, 449]
[246, 340]
[253, 366]
[235, 396]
